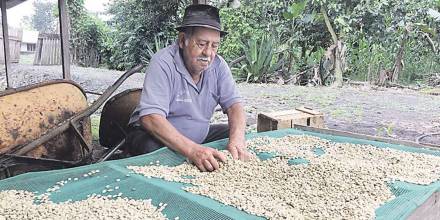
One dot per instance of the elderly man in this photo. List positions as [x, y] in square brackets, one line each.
[183, 85]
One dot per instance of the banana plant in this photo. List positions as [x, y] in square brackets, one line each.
[259, 59]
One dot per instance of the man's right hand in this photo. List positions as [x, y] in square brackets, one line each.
[205, 158]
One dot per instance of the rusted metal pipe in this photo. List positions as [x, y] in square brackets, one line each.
[111, 152]
[93, 93]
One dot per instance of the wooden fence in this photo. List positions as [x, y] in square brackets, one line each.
[15, 36]
[48, 50]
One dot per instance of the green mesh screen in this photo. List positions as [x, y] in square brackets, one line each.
[187, 205]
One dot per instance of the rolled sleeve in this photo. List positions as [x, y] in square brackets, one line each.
[155, 97]
[227, 90]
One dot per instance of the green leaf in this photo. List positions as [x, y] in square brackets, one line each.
[298, 8]
[287, 15]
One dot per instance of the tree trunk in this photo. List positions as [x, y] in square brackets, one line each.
[398, 64]
[339, 53]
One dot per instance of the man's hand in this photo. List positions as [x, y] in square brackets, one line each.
[206, 158]
[238, 150]
[237, 125]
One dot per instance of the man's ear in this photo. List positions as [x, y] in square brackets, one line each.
[181, 40]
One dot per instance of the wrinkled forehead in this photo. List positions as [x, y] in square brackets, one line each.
[206, 34]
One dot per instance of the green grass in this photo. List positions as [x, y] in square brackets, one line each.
[386, 130]
[27, 59]
[95, 127]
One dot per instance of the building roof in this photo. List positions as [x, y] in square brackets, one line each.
[13, 3]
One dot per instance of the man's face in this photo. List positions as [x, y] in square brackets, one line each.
[199, 49]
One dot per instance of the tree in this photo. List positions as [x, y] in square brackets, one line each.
[43, 20]
[88, 36]
[137, 22]
[338, 50]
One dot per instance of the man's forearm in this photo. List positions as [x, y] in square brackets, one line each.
[164, 131]
[237, 122]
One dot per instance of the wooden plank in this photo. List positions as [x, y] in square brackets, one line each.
[308, 110]
[264, 123]
[37, 57]
[58, 52]
[317, 122]
[283, 124]
[49, 54]
[65, 53]
[55, 52]
[288, 118]
[52, 51]
[46, 52]
[43, 51]
[2, 51]
[5, 41]
[15, 51]
[40, 60]
[305, 121]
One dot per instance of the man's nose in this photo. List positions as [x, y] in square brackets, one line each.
[207, 51]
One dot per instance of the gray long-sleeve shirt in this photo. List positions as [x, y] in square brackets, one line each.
[170, 91]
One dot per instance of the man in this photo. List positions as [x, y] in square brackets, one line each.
[183, 85]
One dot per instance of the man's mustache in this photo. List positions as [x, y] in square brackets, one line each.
[206, 59]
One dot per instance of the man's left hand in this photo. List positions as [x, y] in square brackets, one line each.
[238, 150]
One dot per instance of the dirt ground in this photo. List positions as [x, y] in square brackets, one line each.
[397, 113]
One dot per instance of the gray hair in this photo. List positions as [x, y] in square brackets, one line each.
[188, 32]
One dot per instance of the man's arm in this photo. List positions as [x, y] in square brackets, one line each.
[237, 125]
[204, 158]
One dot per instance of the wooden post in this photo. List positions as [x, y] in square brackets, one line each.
[5, 41]
[65, 53]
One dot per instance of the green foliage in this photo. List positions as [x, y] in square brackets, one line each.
[295, 10]
[296, 25]
[259, 59]
[159, 43]
[241, 24]
[136, 23]
[371, 30]
[376, 30]
[367, 58]
[89, 36]
[95, 127]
